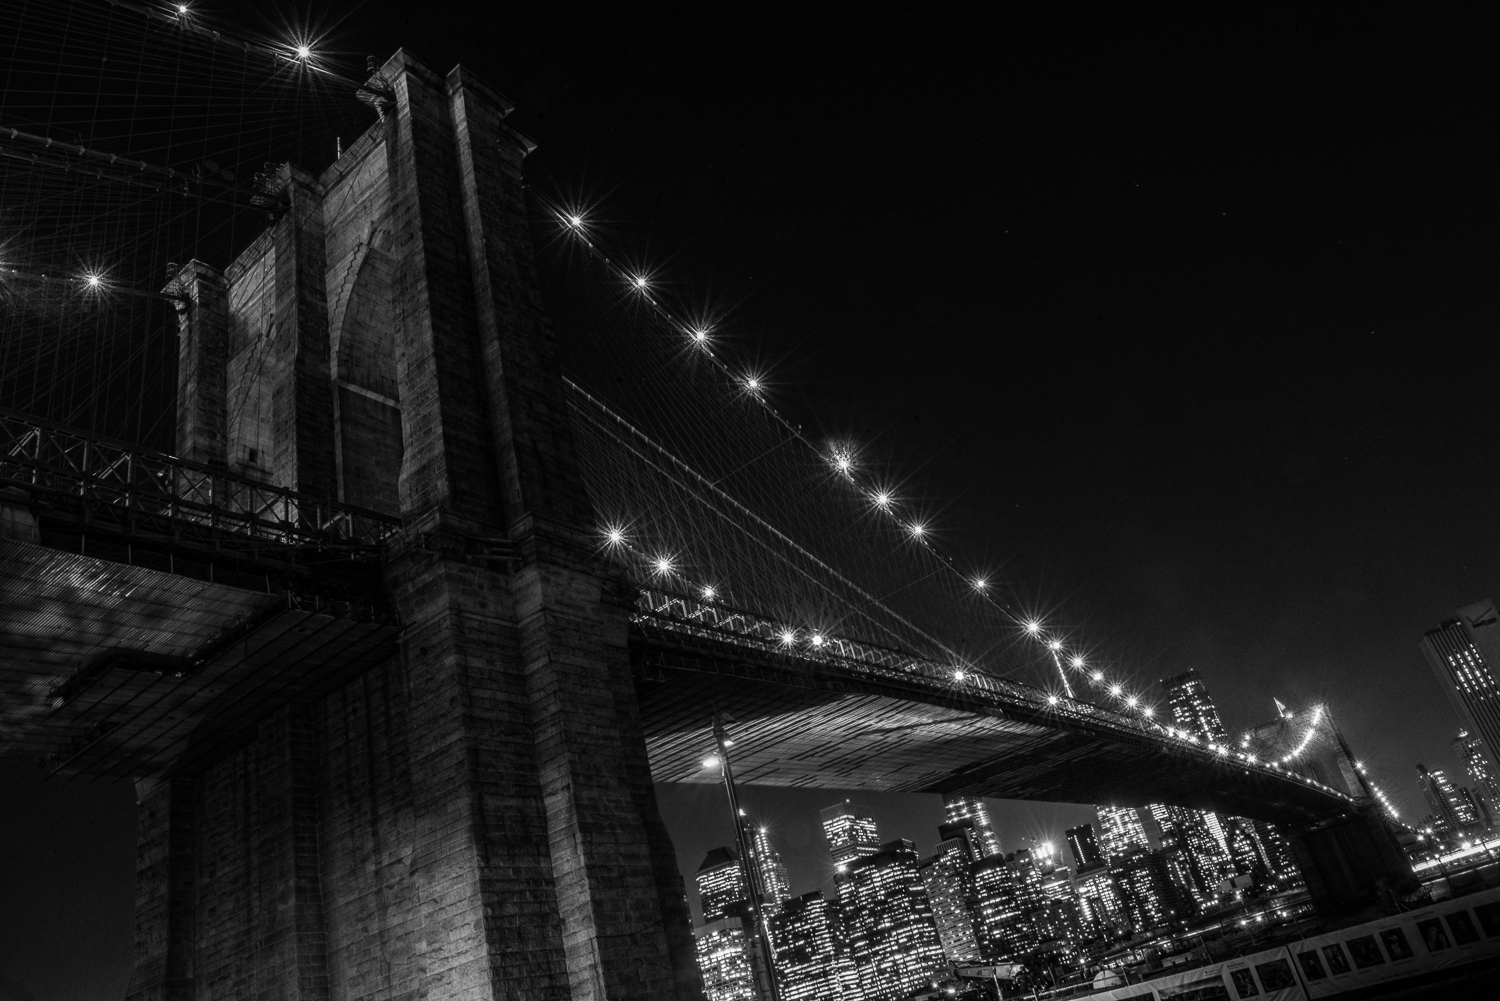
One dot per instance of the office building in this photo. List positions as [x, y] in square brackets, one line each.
[971, 808]
[1191, 709]
[1465, 655]
[1484, 781]
[805, 934]
[721, 885]
[1149, 897]
[1007, 891]
[850, 832]
[725, 960]
[895, 941]
[950, 891]
[1098, 899]
[1451, 808]
[1120, 830]
[1085, 848]
[769, 870]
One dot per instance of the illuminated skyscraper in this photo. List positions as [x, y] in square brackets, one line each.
[1085, 848]
[1483, 781]
[950, 891]
[725, 960]
[1192, 709]
[1120, 829]
[805, 935]
[768, 869]
[850, 832]
[1098, 898]
[961, 807]
[721, 885]
[1007, 891]
[1149, 896]
[1465, 656]
[1452, 809]
[895, 941]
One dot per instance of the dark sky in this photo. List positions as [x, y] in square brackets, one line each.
[1189, 324]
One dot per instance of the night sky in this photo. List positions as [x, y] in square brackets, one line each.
[1187, 326]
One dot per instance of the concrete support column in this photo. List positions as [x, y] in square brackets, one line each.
[202, 360]
[302, 398]
[165, 901]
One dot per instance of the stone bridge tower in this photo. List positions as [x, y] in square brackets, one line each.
[474, 818]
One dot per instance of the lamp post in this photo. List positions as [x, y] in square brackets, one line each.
[742, 840]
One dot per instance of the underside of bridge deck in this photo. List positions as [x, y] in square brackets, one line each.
[803, 724]
[108, 669]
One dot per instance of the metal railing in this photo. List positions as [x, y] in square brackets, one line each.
[130, 489]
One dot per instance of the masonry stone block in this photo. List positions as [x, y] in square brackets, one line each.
[473, 818]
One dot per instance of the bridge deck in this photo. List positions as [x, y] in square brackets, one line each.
[118, 670]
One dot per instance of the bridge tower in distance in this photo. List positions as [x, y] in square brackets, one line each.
[473, 817]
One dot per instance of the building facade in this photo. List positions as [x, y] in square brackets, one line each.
[895, 941]
[808, 963]
[1464, 653]
[850, 832]
[1191, 708]
[1008, 891]
[972, 808]
[768, 869]
[725, 960]
[1084, 846]
[1484, 782]
[949, 880]
[1451, 806]
[721, 885]
[1120, 830]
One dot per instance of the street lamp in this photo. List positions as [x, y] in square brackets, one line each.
[742, 839]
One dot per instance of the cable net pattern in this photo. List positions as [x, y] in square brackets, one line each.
[131, 141]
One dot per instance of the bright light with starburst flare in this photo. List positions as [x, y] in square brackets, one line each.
[1077, 663]
[1033, 626]
[1097, 676]
[817, 639]
[614, 535]
[709, 592]
[304, 52]
[1052, 700]
[917, 529]
[1148, 712]
[640, 282]
[882, 499]
[576, 221]
[93, 280]
[1132, 701]
[1054, 645]
[1115, 690]
[980, 583]
[662, 565]
[788, 637]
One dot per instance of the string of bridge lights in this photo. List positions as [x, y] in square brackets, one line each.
[842, 461]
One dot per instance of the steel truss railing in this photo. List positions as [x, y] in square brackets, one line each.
[659, 610]
[133, 490]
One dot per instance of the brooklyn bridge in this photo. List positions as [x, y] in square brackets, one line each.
[394, 625]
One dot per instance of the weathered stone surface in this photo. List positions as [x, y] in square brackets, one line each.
[475, 817]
